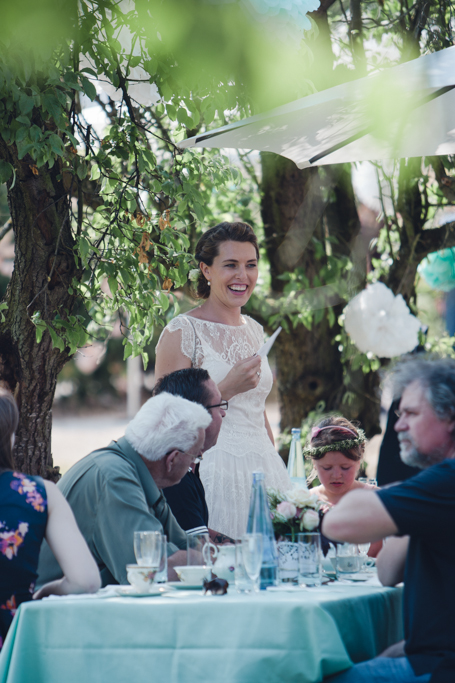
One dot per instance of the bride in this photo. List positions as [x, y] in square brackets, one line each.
[217, 337]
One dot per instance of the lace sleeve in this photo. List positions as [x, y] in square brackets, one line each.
[188, 345]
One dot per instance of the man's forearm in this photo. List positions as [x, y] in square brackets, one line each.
[359, 517]
[219, 538]
[391, 561]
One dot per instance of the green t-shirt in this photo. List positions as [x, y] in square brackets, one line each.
[112, 494]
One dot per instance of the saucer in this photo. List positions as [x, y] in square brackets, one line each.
[185, 586]
[132, 592]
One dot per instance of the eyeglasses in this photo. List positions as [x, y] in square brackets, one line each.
[224, 405]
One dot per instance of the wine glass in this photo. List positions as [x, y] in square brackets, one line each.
[252, 551]
[363, 551]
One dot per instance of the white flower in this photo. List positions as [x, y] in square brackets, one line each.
[193, 275]
[302, 498]
[380, 322]
[310, 520]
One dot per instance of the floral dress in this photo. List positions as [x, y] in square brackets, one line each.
[23, 519]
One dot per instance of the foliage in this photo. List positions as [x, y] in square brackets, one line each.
[136, 199]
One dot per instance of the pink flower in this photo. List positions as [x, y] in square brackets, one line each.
[286, 509]
[310, 520]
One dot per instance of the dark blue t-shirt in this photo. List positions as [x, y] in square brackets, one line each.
[423, 507]
[188, 504]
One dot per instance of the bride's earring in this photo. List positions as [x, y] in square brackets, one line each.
[208, 282]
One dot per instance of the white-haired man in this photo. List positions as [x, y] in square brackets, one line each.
[419, 515]
[117, 490]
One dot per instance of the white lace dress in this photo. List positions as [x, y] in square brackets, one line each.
[243, 444]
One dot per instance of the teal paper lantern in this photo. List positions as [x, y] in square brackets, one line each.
[438, 270]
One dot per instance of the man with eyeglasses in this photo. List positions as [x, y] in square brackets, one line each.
[187, 499]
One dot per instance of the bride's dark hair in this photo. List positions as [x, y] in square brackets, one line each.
[9, 418]
[208, 247]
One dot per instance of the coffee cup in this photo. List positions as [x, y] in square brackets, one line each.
[193, 575]
[141, 577]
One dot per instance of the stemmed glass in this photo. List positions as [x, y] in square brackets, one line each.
[252, 551]
[363, 552]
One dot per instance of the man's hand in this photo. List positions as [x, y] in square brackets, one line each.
[178, 559]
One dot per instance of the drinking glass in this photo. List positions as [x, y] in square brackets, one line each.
[161, 575]
[310, 559]
[373, 481]
[363, 550]
[243, 583]
[348, 561]
[252, 551]
[148, 548]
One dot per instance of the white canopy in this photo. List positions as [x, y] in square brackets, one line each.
[404, 111]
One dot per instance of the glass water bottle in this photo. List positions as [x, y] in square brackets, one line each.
[260, 522]
[296, 465]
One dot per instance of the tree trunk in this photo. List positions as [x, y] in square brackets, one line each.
[44, 268]
[297, 205]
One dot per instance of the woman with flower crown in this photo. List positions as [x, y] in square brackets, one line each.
[217, 337]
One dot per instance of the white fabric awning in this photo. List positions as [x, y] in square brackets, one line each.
[404, 111]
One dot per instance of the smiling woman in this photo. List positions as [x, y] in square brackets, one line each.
[217, 337]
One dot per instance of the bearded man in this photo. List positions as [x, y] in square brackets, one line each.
[418, 516]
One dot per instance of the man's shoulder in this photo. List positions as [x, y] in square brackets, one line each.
[109, 461]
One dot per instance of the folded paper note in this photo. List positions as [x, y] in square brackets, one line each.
[265, 348]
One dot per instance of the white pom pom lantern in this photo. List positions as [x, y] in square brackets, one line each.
[381, 323]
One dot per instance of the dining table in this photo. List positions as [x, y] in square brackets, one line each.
[184, 636]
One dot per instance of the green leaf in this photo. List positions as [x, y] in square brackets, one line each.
[82, 171]
[26, 104]
[52, 105]
[128, 350]
[57, 341]
[6, 171]
[88, 87]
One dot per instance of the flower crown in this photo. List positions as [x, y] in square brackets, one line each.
[344, 445]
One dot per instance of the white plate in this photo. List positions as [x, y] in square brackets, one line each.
[185, 586]
[132, 592]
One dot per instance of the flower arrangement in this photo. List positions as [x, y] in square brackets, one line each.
[294, 511]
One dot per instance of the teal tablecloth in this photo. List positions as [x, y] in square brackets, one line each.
[265, 638]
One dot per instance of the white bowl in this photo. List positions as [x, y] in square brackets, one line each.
[193, 574]
[141, 577]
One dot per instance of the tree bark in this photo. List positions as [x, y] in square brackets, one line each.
[297, 205]
[44, 268]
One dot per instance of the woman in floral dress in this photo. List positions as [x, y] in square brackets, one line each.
[32, 509]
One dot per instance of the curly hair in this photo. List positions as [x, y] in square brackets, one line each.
[336, 433]
[207, 249]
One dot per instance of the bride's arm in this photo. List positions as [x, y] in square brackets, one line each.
[169, 356]
[268, 428]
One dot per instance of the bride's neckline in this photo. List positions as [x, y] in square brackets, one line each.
[203, 320]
